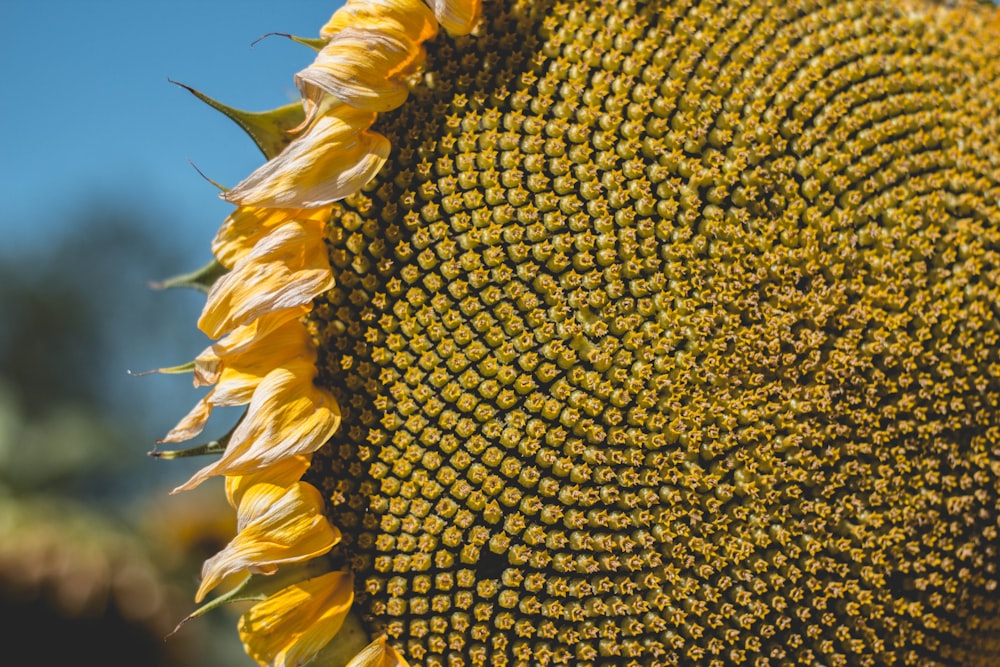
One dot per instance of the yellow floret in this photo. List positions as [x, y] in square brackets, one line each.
[668, 334]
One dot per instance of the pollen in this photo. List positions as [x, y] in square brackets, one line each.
[668, 334]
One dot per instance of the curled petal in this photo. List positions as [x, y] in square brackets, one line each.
[238, 364]
[287, 416]
[457, 17]
[286, 269]
[242, 373]
[333, 159]
[253, 344]
[193, 422]
[366, 69]
[247, 225]
[409, 18]
[290, 627]
[378, 654]
[283, 473]
[276, 525]
[273, 348]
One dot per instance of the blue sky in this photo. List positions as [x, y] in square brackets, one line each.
[89, 119]
[86, 109]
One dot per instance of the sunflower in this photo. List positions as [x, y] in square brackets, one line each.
[616, 333]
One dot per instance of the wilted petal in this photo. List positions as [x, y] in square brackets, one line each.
[457, 17]
[287, 268]
[333, 159]
[283, 473]
[287, 416]
[276, 348]
[290, 627]
[378, 654]
[247, 225]
[271, 342]
[193, 422]
[410, 18]
[247, 343]
[366, 69]
[276, 525]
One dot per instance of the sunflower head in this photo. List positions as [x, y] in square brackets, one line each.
[621, 333]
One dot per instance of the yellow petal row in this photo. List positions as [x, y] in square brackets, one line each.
[277, 525]
[248, 345]
[287, 416]
[286, 269]
[273, 340]
[263, 356]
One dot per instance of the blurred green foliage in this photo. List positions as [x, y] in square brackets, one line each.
[93, 550]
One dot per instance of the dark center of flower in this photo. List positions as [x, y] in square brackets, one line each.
[669, 332]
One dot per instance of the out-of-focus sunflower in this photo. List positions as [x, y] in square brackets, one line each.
[74, 585]
[616, 333]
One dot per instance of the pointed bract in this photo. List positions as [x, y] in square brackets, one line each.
[268, 129]
[200, 279]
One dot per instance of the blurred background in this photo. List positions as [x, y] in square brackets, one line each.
[97, 560]
[97, 199]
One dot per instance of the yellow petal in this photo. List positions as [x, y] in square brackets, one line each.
[332, 160]
[248, 345]
[276, 525]
[290, 627]
[192, 423]
[286, 269]
[287, 416]
[411, 18]
[275, 348]
[378, 654]
[247, 225]
[366, 69]
[457, 17]
[373, 46]
[239, 371]
[283, 473]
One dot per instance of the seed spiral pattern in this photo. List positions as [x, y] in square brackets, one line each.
[668, 335]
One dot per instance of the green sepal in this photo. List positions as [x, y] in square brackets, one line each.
[218, 186]
[213, 447]
[270, 130]
[177, 370]
[200, 279]
[172, 370]
[257, 587]
[314, 43]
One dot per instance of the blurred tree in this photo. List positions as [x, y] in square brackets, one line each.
[81, 505]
